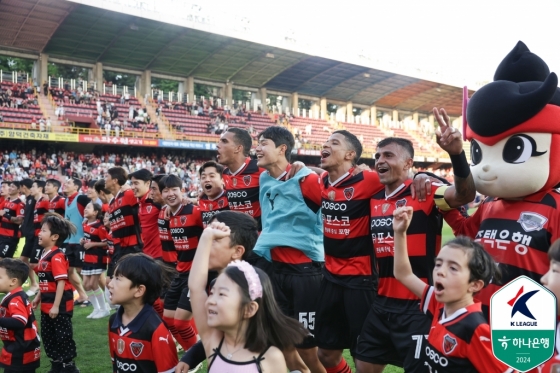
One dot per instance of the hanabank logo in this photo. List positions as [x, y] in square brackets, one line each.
[519, 306]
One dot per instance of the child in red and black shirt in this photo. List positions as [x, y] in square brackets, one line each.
[55, 294]
[138, 339]
[18, 328]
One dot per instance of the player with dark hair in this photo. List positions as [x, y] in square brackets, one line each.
[125, 222]
[22, 350]
[214, 198]
[57, 204]
[394, 328]
[11, 216]
[56, 295]
[28, 232]
[74, 206]
[185, 228]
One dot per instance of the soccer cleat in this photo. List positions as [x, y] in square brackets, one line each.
[56, 367]
[196, 368]
[92, 315]
[101, 314]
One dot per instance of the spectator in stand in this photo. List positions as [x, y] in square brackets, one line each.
[49, 126]
[42, 124]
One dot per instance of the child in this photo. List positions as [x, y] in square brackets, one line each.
[94, 241]
[241, 327]
[238, 246]
[55, 294]
[462, 269]
[110, 250]
[18, 328]
[138, 339]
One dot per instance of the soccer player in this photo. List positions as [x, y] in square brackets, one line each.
[56, 295]
[22, 350]
[28, 232]
[185, 228]
[11, 216]
[214, 198]
[291, 206]
[41, 208]
[148, 212]
[348, 284]
[138, 339]
[57, 204]
[125, 222]
[394, 328]
[74, 206]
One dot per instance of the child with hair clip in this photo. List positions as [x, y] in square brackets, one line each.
[94, 241]
[56, 294]
[459, 339]
[138, 340]
[240, 324]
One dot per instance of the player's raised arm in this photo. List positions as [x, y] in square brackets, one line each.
[401, 267]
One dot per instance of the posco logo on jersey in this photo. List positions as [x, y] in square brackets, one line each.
[381, 222]
[434, 356]
[126, 367]
[177, 230]
[237, 194]
[333, 206]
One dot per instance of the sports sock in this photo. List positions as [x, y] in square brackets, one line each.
[100, 298]
[342, 367]
[158, 306]
[93, 300]
[170, 323]
[187, 333]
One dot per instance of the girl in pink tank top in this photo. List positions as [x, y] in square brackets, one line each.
[241, 327]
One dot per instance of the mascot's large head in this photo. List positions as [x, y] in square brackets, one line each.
[514, 127]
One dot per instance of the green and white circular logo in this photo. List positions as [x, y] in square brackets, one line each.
[523, 324]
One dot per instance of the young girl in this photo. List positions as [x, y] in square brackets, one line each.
[55, 294]
[459, 340]
[241, 327]
[94, 241]
[138, 339]
[107, 258]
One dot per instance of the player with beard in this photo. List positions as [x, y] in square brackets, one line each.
[214, 197]
[291, 206]
[185, 228]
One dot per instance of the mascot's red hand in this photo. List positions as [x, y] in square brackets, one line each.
[448, 138]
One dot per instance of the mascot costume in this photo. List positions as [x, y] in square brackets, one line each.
[513, 124]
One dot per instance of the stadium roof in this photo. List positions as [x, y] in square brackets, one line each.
[82, 33]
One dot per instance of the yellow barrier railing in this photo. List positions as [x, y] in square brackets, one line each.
[79, 130]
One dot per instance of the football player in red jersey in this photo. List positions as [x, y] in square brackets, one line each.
[11, 216]
[459, 334]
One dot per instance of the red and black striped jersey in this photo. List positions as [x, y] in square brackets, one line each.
[144, 345]
[15, 208]
[185, 227]
[457, 343]
[289, 257]
[41, 208]
[349, 258]
[58, 205]
[125, 223]
[95, 232]
[423, 239]
[516, 233]
[149, 212]
[210, 207]
[169, 255]
[22, 348]
[242, 189]
[53, 267]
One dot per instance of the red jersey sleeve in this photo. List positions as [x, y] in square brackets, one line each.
[59, 267]
[129, 198]
[461, 225]
[18, 309]
[311, 191]
[428, 303]
[102, 232]
[480, 349]
[20, 210]
[60, 206]
[198, 216]
[164, 350]
[373, 182]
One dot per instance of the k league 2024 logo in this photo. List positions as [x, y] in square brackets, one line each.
[523, 324]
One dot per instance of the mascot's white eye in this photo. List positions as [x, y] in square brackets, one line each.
[519, 148]
[476, 152]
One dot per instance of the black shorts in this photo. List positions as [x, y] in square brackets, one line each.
[177, 295]
[118, 253]
[393, 338]
[32, 250]
[75, 254]
[341, 312]
[8, 247]
[297, 296]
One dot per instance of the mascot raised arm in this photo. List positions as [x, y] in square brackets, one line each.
[513, 124]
